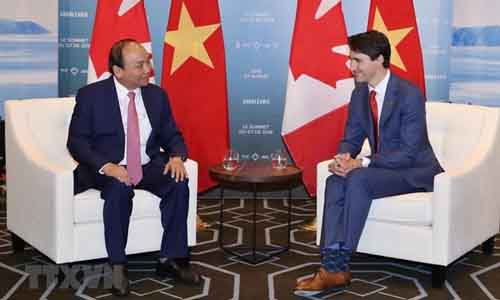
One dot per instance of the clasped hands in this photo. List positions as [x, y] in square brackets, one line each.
[343, 163]
[175, 166]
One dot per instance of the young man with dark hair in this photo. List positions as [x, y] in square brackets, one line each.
[390, 112]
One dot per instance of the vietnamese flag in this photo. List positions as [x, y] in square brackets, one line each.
[396, 19]
[194, 77]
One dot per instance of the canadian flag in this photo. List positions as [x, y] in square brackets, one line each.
[116, 20]
[319, 86]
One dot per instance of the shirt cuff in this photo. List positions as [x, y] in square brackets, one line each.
[365, 162]
[102, 168]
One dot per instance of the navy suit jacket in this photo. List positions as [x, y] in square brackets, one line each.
[403, 141]
[96, 134]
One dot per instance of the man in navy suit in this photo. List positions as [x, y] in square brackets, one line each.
[116, 131]
[390, 112]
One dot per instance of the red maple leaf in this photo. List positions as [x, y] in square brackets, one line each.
[313, 41]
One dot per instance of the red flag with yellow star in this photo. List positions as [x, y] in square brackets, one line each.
[194, 77]
[396, 19]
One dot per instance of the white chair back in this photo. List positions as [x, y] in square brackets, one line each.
[454, 135]
[46, 121]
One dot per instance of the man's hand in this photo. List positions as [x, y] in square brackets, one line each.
[343, 163]
[176, 167]
[116, 171]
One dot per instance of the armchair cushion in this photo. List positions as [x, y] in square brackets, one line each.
[88, 206]
[409, 209]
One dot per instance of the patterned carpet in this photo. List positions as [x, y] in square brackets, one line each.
[29, 275]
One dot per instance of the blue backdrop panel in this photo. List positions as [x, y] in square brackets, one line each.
[28, 50]
[257, 36]
[475, 53]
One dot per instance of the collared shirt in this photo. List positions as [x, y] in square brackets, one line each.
[380, 90]
[144, 123]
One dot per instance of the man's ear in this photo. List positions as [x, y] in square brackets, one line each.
[380, 59]
[117, 71]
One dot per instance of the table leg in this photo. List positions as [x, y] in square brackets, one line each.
[265, 252]
[254, 243]
[221, 217]
[290, 203]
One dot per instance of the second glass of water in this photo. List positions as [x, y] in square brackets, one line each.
[279, 160]
[231, 160]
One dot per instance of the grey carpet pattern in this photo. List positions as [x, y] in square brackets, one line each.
[29, 275]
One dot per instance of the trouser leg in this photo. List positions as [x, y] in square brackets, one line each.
[347, 203]
[116, 215]
[174, 207]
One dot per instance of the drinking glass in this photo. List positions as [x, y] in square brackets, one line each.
[279, 160]
[231, 160]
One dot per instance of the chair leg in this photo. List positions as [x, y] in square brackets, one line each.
[488, 246]
[438, 276]
[17, 242]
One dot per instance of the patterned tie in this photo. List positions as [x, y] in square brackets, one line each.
[133, 143]
[374, 110]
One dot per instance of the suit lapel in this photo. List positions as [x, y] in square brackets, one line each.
[115, 115]
[389, 101]
[150, 110]
[147, 104]
[367, 121]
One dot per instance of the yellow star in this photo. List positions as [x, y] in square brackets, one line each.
[394, 36]
[188, 41]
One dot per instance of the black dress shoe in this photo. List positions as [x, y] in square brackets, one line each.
[119, 278]
[178, 269]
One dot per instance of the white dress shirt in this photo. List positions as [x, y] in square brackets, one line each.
[380, 90]
[144, 123]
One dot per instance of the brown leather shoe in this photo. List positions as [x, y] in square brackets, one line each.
[322, 281]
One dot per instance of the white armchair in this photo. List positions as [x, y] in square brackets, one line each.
[439, 227]
[41, 207]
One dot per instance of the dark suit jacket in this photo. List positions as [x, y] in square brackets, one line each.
[403, 141]
[96, 134]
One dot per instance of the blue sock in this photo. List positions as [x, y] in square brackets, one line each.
[336, 258]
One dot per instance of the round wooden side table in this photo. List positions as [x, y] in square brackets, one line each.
[255, 176]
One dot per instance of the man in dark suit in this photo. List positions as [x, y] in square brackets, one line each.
[390, 112]
[116, 131]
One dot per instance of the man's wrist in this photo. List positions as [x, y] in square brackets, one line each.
[176, 157]
[182, 157]
[101, 170]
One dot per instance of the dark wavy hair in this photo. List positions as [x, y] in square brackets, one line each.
[372, 43]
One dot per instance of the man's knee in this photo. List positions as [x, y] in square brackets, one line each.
[334, 193]
[182, 188]
[333, 180]
[357, 178]
[174, 189]
[115, 189]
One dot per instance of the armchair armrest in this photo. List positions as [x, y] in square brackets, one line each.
[37, 194]
[192, 170]
[466, 210]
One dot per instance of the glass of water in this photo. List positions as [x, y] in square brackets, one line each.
[231, 160]
[279, 159]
